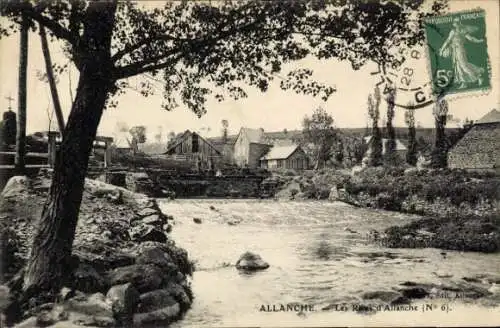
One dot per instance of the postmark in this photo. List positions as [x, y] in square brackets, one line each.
[412, 84]
[458, 53]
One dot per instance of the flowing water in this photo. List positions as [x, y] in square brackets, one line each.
[318, 255]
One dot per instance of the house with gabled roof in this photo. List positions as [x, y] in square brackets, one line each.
[192, 146]
[249, 147]
[479, 148]
[286, 157]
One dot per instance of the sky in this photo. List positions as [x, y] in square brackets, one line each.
[274, 110]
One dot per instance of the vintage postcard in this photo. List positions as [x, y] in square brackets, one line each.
[250, 163]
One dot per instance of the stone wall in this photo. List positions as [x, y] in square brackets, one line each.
[214, 187]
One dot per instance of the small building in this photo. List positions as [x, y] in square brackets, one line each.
[190, 146]
[400, 148]
[249, 147]
[479, 148]
[286, 157]
[122, 142]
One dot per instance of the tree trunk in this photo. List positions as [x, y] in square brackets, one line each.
[48, 266]
[50, 77]
[19, 159]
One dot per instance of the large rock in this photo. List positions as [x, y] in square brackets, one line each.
[159, 257]
[391, 297]
[102, 257]
[154, 220]
[155, 300]
[251, 262]
[94, 304]
[163, 316]
[177, 254]
[88, 280]
[144, 277]
[180, 294]
[147, 212]
[124, 300]
[145, 232]
[16, 186]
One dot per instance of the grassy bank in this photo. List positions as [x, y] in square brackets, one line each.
[460, 208]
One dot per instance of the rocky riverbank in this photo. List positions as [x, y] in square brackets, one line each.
[461, 209]
[127, 270]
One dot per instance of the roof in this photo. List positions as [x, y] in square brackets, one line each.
[121, 140]
[492, 117]
[280, 152]
[254, 135]
[184, 135]
[399, 144]
[479, 148]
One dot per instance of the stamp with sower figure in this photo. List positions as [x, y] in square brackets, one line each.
[458, 53]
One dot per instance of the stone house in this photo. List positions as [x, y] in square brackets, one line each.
[286, 157]
[479, 148]
[249, 147]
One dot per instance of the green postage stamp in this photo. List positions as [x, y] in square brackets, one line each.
[458, 53]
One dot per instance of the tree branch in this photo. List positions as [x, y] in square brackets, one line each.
[58, 30]
[139, 68]
[129, 49]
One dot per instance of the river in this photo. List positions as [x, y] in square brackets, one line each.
[318, 255]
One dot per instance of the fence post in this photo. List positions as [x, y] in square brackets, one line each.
[52, 148]
[107, 152]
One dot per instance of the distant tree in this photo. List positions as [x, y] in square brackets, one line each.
[225, 126]
[411, 153]
[376, 147]
[339, 152]
[318, 130]
[159, 134]
[138, 136]
[390, 152]
[439, 158]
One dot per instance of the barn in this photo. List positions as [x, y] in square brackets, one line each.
[286, 157]
[190, 146]
[479, 148]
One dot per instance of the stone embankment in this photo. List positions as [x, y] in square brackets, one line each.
[128, 271]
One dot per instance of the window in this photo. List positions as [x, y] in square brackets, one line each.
[194, 143]
[279, 163]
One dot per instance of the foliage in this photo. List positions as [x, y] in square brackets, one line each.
[138, 134]
[471, 233]
[390, 155]
[461, 186]
[411, 153]
[376, 147]
[319, 131]
[439, 157]
[225, 125]
[186, 44]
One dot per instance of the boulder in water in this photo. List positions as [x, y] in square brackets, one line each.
[197, 220]
[251, 262]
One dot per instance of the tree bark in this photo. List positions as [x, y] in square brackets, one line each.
[49, 263]
[19, 159]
